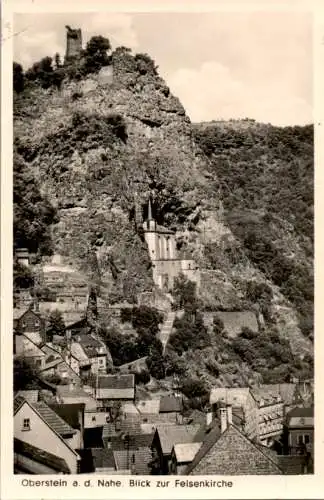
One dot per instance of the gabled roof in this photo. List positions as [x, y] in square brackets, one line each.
[174, 434]
[116, 382]
[30, 395]
[136, 460]
[18, 313]
[41, 456]
[18, 402]
[186, 452]
[301, 412]
[69, 412]
[53, 419]
[135, 441]
[170, 404]
[103, 458]
[292, 464]
[231, 453]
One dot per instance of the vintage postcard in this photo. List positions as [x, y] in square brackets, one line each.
[160, 174]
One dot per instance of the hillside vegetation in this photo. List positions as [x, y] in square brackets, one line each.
[94, 140]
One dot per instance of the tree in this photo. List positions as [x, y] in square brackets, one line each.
[18, 78]
[95, 53]
[184, 291]
[56, 325]
[25, 374]
[22, 276]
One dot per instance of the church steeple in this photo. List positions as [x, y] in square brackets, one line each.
[149, 216]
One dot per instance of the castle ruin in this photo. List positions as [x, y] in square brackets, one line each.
[73, 44]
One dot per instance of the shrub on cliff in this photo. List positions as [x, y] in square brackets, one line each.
[95, 54]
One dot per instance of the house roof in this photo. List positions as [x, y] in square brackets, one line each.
[269, 394]
[186, 452]
[135, 441]
[66, 394]
[103, 458]
[300, 417]
[41, 456]
[126, 426]
[53, 419]
[69, 412]
[18, 402]
[136, 460]
[18, 313]
[235, 396]
[292, 464]
[30, 395]
[231, 453]
[116, 382]
[170, 404]
[301, 412]
[174, 434]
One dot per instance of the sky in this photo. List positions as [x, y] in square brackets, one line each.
[221, 65]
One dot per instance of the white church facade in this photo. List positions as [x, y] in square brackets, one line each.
[166, 264]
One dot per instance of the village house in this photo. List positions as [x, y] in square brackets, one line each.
[72, 414]
[182, 455]
[270, 407]
[299, 431]
[94, 351]
[165, 438]
[24, 347]
[29, 459]
[110, 388]
[29, 323]
[241, 402]
[35, 424]
[166, 409]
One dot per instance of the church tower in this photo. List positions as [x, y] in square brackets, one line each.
[151, 234]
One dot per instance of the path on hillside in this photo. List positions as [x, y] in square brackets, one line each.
[166, 329]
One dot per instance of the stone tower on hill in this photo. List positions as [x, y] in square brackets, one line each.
[73, 44]
[166, 263]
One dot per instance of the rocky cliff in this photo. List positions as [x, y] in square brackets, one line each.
[99, 147]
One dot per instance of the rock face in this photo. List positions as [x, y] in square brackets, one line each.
[100, 146]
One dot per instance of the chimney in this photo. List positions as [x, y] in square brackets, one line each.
[223, 418]
[229, 414]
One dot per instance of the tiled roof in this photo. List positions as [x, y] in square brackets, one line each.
[128, 408]
[231, 453]
[170, 404]
[186, 452]
[116, 381]
[41, 456]
[174, 434]
[136, 460]
[18, 402]
[18, 313]
[53, 420]
[30, 395]
[135, 441]
[301, 412]
[292, 464]
[103, 458]
[129, 425]
[69, 412]
[88, 341]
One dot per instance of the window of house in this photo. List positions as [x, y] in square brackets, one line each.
[93, 419]
[100, 361]
[26, 424]
[306, 439]
[300, 439]
[36, 323]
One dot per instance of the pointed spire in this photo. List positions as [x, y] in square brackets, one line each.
[150, 216]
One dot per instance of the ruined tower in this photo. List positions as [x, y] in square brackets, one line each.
[73, 44]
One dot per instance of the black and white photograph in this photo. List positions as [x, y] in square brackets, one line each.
[163, 245]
